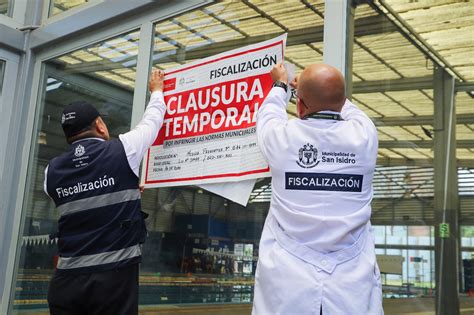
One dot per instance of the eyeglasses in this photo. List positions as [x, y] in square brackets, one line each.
[294, 94]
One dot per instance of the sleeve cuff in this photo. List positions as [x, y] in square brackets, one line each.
[157, 100]
[280, 94]
[157, 94]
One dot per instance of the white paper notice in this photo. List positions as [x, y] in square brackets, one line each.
[209, 130]
[291, 69]
[238, 192]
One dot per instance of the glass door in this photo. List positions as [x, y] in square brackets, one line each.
[8, 74]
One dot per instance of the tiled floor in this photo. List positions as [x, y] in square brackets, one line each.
[413, 306]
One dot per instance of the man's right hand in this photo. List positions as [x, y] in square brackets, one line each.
[279, 73]
[156, 80]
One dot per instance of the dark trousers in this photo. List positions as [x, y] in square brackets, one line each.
[108, 292]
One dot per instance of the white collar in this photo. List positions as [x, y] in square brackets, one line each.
[329, 112]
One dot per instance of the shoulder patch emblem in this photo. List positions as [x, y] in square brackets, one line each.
[79, 151]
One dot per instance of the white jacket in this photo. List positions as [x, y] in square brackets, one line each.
[317, 247]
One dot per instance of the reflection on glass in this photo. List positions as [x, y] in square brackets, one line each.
[113, 61]
[400, 186]
[59, 6]
[96, 74]
[201, 248]
[6, 7]
[402, 209]
[418, 13]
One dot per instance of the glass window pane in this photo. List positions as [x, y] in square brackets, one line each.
[59, 6]
[382, 57]
[419, 235]
[465, 154]
[6, 7]
[467, 236]
[379, 233]
[194, 234]
[419, 268]
[228, 25]
[397, 234]
[96, 74]
[384, 62]
[394, 279]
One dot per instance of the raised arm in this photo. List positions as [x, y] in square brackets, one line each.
[352, 112]
[362, 123]
[137, 141]
[272, 115]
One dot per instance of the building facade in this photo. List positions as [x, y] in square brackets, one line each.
[407, 64]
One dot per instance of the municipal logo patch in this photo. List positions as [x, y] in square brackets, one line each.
[308, 156]
[79, 151]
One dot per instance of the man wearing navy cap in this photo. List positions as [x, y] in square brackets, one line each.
[95, 187]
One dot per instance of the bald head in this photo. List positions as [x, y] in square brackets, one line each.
[321, 87]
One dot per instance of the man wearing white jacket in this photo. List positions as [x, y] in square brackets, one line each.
[317, 253]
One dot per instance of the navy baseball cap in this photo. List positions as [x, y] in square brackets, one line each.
[77, 117]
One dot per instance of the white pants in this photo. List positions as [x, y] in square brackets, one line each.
[285, 284]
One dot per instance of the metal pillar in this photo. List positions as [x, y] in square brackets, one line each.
[339, 38]
[7, 173]
[446, 199]
[15, 122]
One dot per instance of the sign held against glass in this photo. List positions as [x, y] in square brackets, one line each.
[209, 130]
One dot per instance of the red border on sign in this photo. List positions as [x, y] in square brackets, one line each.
[217, 175]
[209, 176]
